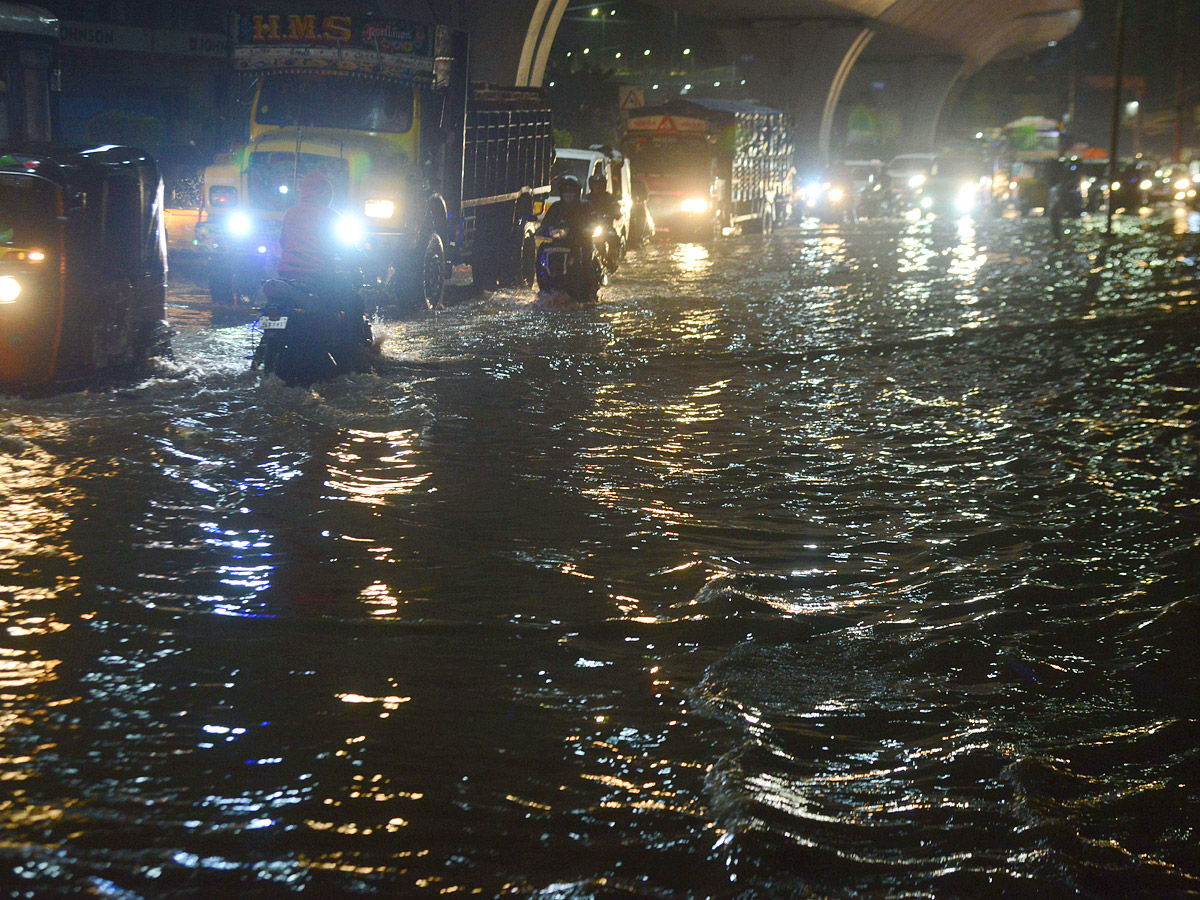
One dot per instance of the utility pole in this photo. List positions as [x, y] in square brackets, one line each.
[1177, 155]
[1118, 85]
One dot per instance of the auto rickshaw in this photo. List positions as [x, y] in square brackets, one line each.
[82, 246]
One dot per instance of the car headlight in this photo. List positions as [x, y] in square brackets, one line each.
[1183, 184]
[239, 224]
[836, 195]
[916, 181]
[1146, 184]
[1116, 185]
[350, 230]
[10, 289]
[1083, 185]
[379, 209]
[694, 205]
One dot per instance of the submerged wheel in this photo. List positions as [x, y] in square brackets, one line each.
[423, 284]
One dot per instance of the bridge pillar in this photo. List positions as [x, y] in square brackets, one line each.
[801, 66]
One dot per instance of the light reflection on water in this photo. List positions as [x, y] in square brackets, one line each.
[842, 562]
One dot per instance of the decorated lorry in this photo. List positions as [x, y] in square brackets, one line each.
[429, 168]
[712, 164]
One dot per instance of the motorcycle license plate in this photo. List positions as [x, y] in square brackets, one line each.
[268, 323]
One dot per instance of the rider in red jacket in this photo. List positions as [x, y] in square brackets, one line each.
[307, 241]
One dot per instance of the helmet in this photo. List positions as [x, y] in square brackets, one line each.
[598, 180]
[569, 184]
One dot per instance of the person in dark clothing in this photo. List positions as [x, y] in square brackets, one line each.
[569, 212]
[605, 211]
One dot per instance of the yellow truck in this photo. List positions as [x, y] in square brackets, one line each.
[431, 169]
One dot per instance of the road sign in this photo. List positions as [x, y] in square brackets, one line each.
[633, 96]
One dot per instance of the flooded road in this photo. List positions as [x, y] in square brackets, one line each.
[844, 562]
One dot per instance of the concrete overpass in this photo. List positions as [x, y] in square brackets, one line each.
[806, 51]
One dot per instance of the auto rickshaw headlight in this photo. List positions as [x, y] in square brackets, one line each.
[10, 289]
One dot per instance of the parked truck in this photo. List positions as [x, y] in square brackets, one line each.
[709, 165]
[433, 169]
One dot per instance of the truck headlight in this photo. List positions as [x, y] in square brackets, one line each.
[350, 230]
[694, 205]
[964, 202]
[239, 224]
[10, 289]
[379, 209]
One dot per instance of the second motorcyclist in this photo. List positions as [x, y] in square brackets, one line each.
[605, 212]
[574, 219]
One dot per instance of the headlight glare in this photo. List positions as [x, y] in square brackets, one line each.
[350, 230]
[10, 289]
[916, 181]
[379, 209]
[1146, 184]
[836, 195]
[239, 224]
[694, 205]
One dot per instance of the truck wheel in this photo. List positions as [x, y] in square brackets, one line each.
[429, 280]
[528, 269]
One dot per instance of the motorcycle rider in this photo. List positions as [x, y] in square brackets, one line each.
[605, 211]
[574, 216]
[308, 245]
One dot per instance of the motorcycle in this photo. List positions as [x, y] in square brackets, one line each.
[571, 266]
[308, 336]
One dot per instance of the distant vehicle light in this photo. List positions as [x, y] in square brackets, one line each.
[916, 181]
[350, 230]
[1182, 184]
[239, 224]
[36, 256]
[283, 189]
[1146, 184]
[379, 209]
[694, 205]
[222, 195]
[836, 195]
[262, 248]
[1084, 184]
[813, 191]
[1179, 195]
[926, 203]
[598, 231]
[1116, 186]
[10, 289]
[964, 202]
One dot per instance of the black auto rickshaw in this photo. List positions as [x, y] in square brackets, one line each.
[82, 246]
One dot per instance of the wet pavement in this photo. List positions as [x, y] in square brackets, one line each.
[844, 562]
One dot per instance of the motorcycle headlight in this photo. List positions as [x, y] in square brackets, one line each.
[10, 289]
[836, 195]
[694, 205]
[1146, 184]
[350, 230]
[239, 224]
[379, 209]
[916, 181]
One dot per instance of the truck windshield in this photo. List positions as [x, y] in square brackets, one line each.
[658, 156]
[580, 168]
[27, 211]
[329, 101]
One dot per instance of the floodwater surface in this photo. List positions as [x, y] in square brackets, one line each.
[849, 562]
